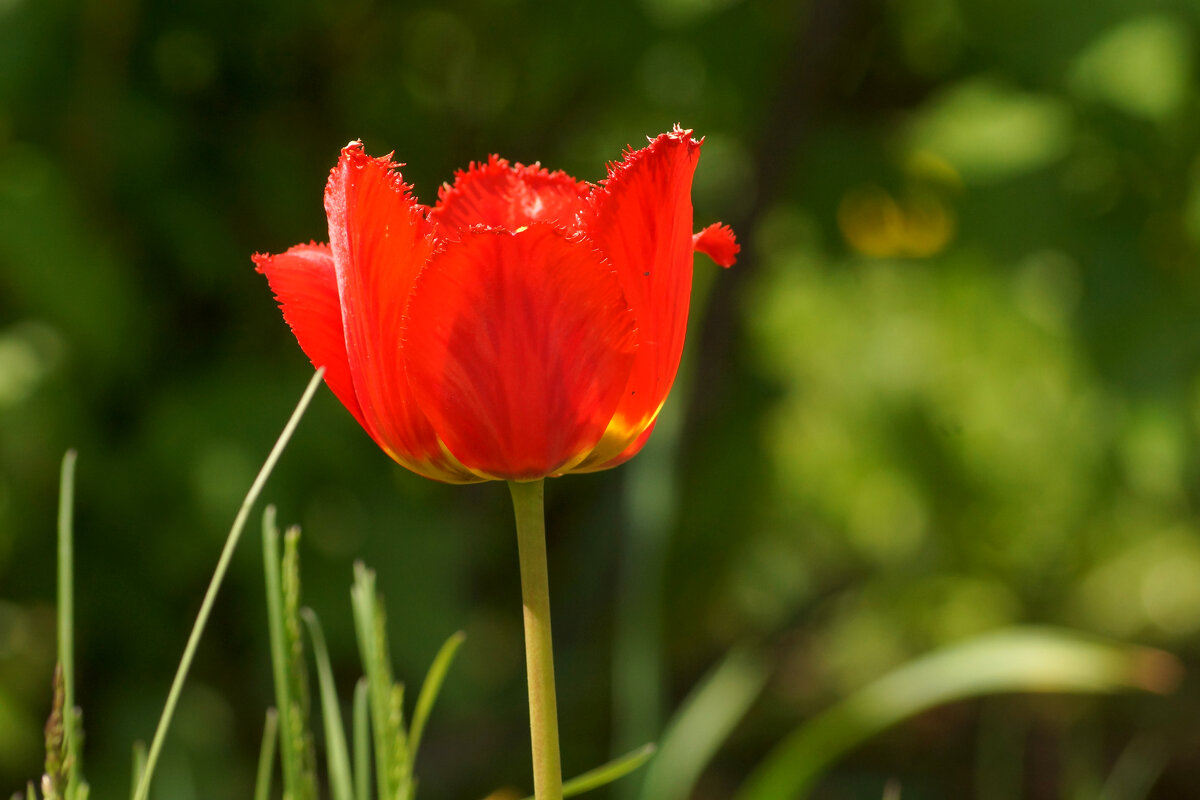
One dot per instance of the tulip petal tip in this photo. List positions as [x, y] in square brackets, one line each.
[718, 242]
[505, 194]
[654, 150]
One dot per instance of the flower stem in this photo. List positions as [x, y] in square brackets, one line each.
[539, 652]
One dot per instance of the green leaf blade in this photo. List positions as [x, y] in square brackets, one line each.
[703, 723]
[1011, 660]
[266, 756]
[607, 773]
[336, 751]
[430, 689]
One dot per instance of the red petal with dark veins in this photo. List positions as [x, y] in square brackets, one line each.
[718, 243]
[380, 240]
[305, 284]
[502, 195]
[642, 221]
[518, 347]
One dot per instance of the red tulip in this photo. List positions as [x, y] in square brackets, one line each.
[527, 325]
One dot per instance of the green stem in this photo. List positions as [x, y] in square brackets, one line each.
[539, 651]
[239, 522]
[66, 617]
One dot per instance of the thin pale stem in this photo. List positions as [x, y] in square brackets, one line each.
[539, 650]
[189, 651]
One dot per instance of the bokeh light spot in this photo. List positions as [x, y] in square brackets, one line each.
[1142, 67]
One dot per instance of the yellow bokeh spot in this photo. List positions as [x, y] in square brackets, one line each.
[876, 224]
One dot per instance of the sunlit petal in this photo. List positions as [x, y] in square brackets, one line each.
[518, 347]
[380, 240]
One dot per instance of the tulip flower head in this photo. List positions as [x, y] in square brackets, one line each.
[527, 325]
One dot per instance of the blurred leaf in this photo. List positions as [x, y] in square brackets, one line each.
[1014, 660]
[1142, 66]
[1137, 769]
[703, 723]
[991, 132]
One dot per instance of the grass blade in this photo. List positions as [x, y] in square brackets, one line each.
[703, 723]
[336, 752]
[280, 663]
[362, 742]
[401, 762]
[607, 773]
[214, 585]
[139, 764]
[54, 776]
[368, 624]
[266, 756]
[79, 787]
[66, 617]
[1013, 660]
[299, 714]
[430, 689]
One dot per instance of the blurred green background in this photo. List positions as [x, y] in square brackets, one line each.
[953, 383]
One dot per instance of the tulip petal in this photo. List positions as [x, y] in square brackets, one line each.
[305, 284]
[629, 452]
[502, 195]
[518, 347]
[642, 221]
[718, 243]
[380, 240]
